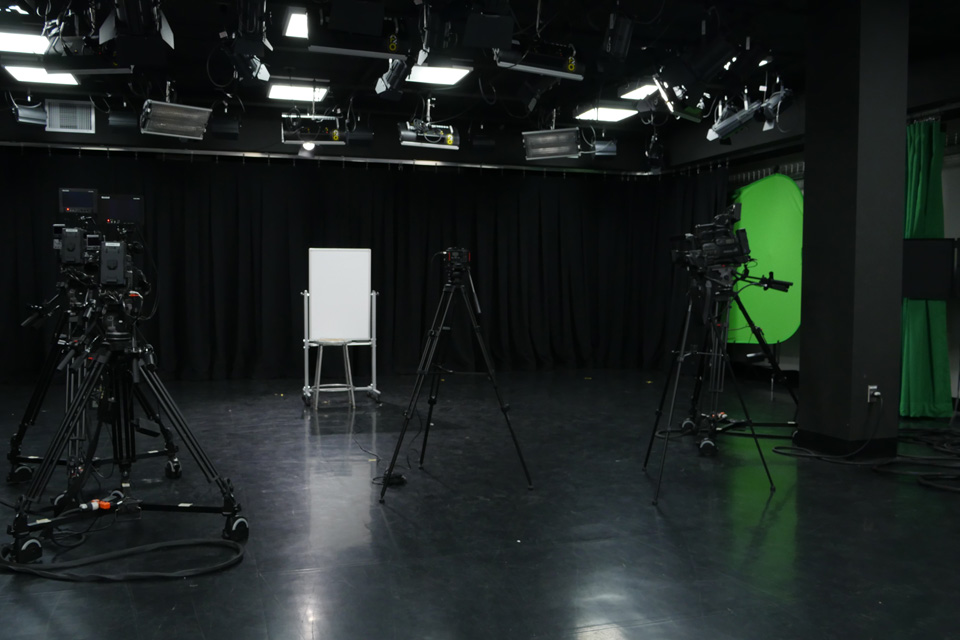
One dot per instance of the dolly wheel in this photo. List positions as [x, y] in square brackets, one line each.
[22, 551]
[172, 469]
[236, 529]
[20, 474]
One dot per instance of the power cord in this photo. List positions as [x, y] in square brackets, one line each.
[60, 570]
[801, 452]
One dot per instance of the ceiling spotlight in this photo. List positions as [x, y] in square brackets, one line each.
[388, 85]
[418, 133]
[343, 44]
[175, 120]
[437, 74]
[616, 40]
[297, 23]
[297, 93]
[309, 130]
[551, 143]
[23, 43]
[606, 148]
[40, 76]
[683, 80]
[665, 92]
[30, 113]
[251, 68]
[564, 67]
[638, 90]
[730, 124]
[604, 112]
[533, 89]
[771, 107]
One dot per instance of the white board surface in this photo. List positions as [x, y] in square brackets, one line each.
[339, 294]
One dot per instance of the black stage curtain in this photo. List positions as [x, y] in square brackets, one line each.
[571, 270]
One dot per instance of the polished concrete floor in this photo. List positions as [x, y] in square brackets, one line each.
[464, 550]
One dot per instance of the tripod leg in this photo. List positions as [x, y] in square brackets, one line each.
[505, 408]
[673, 402]
[431, 403]
[674, 370]
[768, 353]
[33, 407]
[426, 365]
[154, 416]
[120, 415]
[55, 449]
[746, 414]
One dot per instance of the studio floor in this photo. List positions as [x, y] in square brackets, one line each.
[464, 550]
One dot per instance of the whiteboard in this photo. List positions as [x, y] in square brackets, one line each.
[339, 288]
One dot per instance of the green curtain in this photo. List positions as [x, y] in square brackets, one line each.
[925, 369]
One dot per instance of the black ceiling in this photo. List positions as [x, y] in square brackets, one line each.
[201, 73]
[661, 29]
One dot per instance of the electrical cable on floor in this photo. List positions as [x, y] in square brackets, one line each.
[399, 478]
[366, 451]
[801, 452]
[922, 467]
[58, 571]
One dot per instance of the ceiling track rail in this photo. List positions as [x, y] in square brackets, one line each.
[342, 160]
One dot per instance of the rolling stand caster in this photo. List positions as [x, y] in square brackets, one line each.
[307, 397]
[237, 529]
[20, 474]
[61, 503]
[172, 469]
[707, 447]
[22, 551]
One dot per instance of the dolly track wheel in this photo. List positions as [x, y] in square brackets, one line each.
[22, 551]
[237, 529]
[172, 469]
[20, 474]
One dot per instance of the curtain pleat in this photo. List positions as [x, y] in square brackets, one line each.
[925, 365]
[570, 271]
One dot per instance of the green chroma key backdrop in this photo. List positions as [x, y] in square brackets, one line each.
[772, 214]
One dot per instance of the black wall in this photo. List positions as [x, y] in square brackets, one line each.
[571, 271]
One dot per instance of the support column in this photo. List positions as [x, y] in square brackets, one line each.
[855, 148]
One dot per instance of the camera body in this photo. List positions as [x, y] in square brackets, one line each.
[456, 263]
[97, 270]
[716, 243]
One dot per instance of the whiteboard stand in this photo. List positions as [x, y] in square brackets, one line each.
[311, 392]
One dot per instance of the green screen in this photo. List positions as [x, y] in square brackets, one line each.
[772, 214]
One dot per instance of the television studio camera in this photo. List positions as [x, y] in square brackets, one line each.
[716, 258]
[110, 374]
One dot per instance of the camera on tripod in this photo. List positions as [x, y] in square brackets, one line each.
[716, 243]
[95, 248]
[92, 255]
[456, 263]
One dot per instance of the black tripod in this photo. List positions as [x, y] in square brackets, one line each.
[769, 356]
[69, 306]
[119, 364]
[457, 273]
[715, 292]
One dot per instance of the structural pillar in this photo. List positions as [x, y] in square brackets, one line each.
[855, 149]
